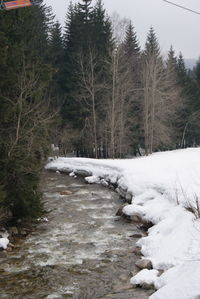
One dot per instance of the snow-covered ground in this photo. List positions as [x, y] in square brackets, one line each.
[4, 243]
[163, 186]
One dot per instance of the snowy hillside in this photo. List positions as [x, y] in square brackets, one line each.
[165, 187]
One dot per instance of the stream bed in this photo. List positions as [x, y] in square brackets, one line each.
[84, 251]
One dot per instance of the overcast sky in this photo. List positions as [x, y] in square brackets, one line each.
[172, 24]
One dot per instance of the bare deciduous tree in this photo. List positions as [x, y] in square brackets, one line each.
[31, 117]
[161, 99]
[119, 27]
[120, 96]
[90, 83]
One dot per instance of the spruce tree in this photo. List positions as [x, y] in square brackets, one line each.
[85, 11]
[181, 70]
[196, 72]
[56, 58]
[190, 113]
[152, 46]
[171, 62]
[132, 61]
[56, 45]
[131, 45]
[22, 88]
[101, 30]
[71, 110]
[87, 32]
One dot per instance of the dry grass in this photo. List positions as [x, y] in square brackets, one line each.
[194, 206]
[192, 203]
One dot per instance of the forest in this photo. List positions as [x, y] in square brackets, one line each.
[88, 88]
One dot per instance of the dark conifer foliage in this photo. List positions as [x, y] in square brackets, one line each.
[85, 12]
[111, 98]
[24, 80]
[56, 59]
[196, 72]
[56, 45]
[190, 114]
[72, 46]
[132, 57]
[132, 53]
[181, 70]
[152, 46]
[101, 29]
[87, 30]
[171, 60]
[132, 48]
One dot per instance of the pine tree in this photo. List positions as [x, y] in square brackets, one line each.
[68, 24]
[101, 30]
[196, 72]
[171, 62]
[152, 46]
[85, 11]
[87, 31]
[189, 118]
[196, 103]
[131, 45]
[132, 54]
[56, 45]
[132, 61]
[22, 109]
[71, 110]
[56, 58]
[181, 70]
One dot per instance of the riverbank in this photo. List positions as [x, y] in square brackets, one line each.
[163, 189]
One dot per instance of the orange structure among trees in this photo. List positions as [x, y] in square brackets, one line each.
[16, 4]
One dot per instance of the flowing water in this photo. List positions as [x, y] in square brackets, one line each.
[83, 251]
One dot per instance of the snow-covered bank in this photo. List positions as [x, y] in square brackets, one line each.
[4, 243]
[162, 185]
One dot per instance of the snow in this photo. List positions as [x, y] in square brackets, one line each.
[92, 179]
[72, 174]
[145, 276]
[54, 148]
[179, 282]
[4, 243]
[169, 242]
[163, 185]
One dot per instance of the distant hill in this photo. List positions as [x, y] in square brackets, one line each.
[190, 63]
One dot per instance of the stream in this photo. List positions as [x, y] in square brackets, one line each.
[84, 251]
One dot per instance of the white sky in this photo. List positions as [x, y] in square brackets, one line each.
[172, 24]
